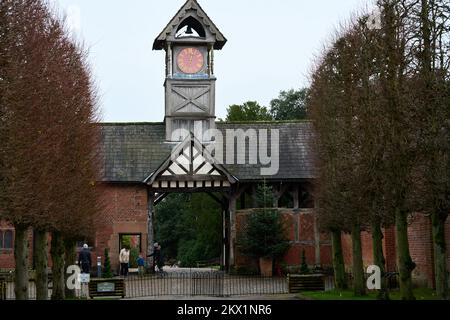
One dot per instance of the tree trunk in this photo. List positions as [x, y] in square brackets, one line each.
[405, 263]
[70, 256]
[378, 258]
[358, 269]
[440, 255]
[338, 261]
[41, 260]
[57, 251]
[21, 259]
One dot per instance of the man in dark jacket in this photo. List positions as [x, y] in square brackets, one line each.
[84, 259]
[157, 257]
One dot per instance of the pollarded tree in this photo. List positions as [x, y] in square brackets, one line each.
[430, 25]
[25, 92]
[323, 107]
[399, 137]
[74, 214]
[48, 150]
[344, 106]
[336, 116]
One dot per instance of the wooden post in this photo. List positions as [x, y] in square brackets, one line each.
[224, 255]
[254, 196]
[150, 226]
[233, 229]
[169, 60]
[243, 200]
[211, 61]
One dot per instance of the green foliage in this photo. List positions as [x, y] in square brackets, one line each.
[126, 242]
[290, 105]
[134, 254]
[263, 235]
[189, 253]
[264, 196]
[107, 273]
[169, 229]
[420, 293]
[244, 270]
[304, 266]
[249, 111]
[188, 227]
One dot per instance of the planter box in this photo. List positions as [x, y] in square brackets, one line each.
[107, 288]
[266, 266]
[306, 282]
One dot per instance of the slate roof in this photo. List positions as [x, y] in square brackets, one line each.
[132, 151]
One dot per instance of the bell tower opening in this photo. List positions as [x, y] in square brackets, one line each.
[190, 27]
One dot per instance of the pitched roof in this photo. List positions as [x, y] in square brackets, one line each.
[190, 157]
[179, 17]
[131, 152]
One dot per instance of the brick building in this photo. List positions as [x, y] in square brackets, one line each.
[144, 162]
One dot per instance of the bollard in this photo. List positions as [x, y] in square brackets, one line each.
[99, 267]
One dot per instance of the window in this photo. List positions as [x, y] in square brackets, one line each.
[132, 241]
[6, 239]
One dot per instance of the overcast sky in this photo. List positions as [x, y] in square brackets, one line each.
[271, 46]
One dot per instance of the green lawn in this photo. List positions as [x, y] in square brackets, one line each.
[421, 294]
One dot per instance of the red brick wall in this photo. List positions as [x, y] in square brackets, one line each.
[7, 256]
[389, 249]
[125, 211]
[300, 224]
[420, 245]
[421, 250]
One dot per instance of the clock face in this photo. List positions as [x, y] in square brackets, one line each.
[190, 60]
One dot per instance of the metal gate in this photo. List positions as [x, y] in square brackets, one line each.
[214, 283]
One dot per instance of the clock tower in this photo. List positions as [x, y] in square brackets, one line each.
[189, 41]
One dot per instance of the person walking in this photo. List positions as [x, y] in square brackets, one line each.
[124, 259]
[157, 258]
[84, 259]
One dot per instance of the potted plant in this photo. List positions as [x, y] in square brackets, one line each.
[263, 237]
[304, 269]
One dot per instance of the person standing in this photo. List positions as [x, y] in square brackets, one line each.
[141, 265]
[84, 259]
[124, 259]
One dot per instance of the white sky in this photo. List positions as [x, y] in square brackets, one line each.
[271, 46]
